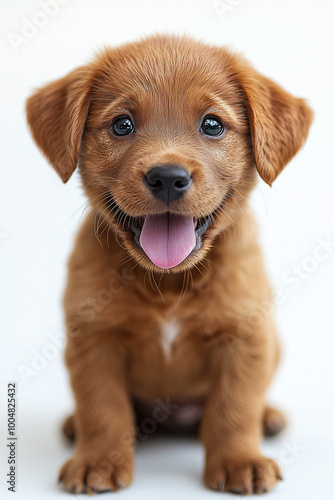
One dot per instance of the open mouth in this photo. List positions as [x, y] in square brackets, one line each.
[167, 239]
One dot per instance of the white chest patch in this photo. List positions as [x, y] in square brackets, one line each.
[169, 333]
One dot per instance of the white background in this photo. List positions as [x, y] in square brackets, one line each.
[290, 41]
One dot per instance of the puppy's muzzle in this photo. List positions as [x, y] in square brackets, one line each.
[168, 182]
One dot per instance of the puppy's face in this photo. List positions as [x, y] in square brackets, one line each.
[168, 150]
[168, 134]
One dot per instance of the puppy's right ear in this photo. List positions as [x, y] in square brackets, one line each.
[278, 121]
[57, 115]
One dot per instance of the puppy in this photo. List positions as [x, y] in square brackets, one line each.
[167, 303]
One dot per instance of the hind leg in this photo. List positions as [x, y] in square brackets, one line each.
[68, 427]
[273, 421]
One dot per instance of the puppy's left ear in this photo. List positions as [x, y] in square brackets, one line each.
[57, 115]
[279, 122]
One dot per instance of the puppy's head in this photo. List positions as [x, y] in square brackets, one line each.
[168, 134]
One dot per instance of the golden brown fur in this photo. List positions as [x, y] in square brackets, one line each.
[117, 301]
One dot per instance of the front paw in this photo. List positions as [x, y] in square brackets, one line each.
[243, 476]
[92, 474]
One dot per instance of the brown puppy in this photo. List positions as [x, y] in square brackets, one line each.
[167, 299]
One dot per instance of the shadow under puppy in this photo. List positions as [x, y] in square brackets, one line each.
[167, 296]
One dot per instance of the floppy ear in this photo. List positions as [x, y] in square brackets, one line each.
[278, 121]
[57, 115]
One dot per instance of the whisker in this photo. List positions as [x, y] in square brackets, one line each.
[203, 265]
[125, 260]
[146, 272]
[137, 264]
[102, 215]
[85, 205]
[207, 260]
[160, 279]
[100, 178]
[102, 90]
[156, 285]
[182, 290]
[200, 272]
[191, 277]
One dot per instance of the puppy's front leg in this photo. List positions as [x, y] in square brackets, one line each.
[232, 422]
[104, 417]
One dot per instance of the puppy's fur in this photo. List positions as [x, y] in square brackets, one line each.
[201, 331]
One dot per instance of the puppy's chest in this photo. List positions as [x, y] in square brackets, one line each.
[175, 341]
[170, 338]
[165, 338]
[169, 333]
[168, 358]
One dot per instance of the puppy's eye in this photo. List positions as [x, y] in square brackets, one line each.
[212, 126]
[122, 125]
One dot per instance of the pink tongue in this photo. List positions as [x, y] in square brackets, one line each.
[168, 239]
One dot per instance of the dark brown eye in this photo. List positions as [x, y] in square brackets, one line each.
[122, 125]
[212, 126]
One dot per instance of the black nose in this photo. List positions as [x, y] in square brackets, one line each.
[168, 182]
